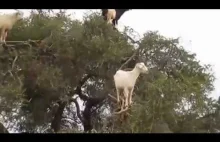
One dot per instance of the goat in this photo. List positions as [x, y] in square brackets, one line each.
[126, 80]
[113, 15]
[7, 21]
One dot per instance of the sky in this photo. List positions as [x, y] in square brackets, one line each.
[198, 29]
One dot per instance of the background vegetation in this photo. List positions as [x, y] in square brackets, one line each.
[43, 83]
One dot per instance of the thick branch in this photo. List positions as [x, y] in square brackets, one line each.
[78, 110]
[55, 125]
[78, 88]
[91, 102]
[58, 116]
[3, 129]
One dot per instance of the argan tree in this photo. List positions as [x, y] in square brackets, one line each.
[58, 73]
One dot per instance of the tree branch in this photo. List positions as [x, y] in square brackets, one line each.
[78, 88]
[77, 110]
[58, 116]
[3, 129]
[134, 54]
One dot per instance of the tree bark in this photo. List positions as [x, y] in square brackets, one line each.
[3, 129]
[55, 125]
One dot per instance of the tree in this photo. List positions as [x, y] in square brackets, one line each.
[66, 59]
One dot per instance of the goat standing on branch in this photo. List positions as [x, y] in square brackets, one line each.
[113, 15]
[7, 21]
[125, 82]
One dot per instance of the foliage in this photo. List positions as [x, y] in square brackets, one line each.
[74, 58]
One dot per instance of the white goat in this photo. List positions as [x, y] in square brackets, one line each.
[126, 80]
[7, 21]
[113, 15]
[109, 15]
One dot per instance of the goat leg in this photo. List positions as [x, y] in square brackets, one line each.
[126, 94]
[109, 19]
[130, 96]
[2, 34]
[122, 103]
[122, 107]
[5, 36]
[115, 24]
[118, 95]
